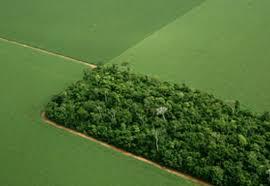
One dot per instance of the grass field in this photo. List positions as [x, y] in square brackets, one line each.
[222, 47]
[34, 153]
[90, 30]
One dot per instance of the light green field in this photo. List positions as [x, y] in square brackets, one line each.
[34, 153]
[90, 30]
[222, 46]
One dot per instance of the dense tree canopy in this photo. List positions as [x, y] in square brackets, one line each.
[171, 124]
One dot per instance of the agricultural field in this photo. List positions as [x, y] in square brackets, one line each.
[218, 46]
[90, 30]
[222, 46]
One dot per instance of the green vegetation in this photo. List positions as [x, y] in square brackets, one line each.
[90, 30]
[171, 124]
[219, 46]
[33, 153]
[222, 47]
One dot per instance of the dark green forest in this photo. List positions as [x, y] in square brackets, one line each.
[178, 127]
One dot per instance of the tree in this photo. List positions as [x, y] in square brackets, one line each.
[162, 111]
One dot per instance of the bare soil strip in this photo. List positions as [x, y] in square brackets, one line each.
[177, 173]
[47, 52]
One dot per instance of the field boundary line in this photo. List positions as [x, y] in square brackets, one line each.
[177, 173]
[47, 52]
[154, 32]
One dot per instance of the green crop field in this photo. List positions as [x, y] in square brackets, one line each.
[91, 30]
[219, 46]
[222, 46]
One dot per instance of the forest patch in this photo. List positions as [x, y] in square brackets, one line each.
[171, 124]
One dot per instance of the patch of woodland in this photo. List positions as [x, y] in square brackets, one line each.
[176, 126]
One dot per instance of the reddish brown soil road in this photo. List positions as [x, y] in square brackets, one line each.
[186, 176]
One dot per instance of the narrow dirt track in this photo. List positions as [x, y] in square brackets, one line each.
[47, 52]
[177, 173]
